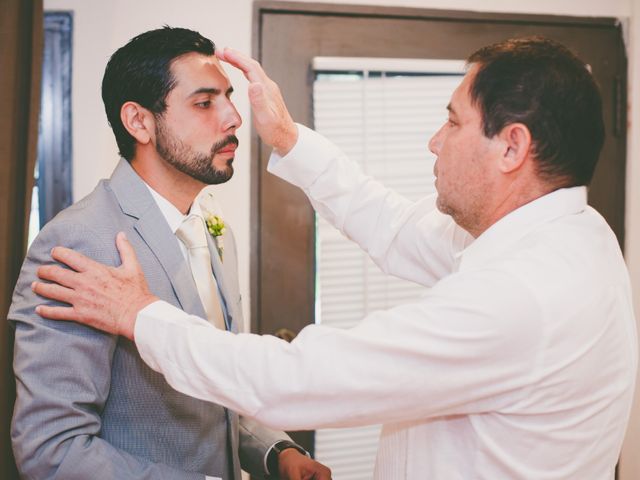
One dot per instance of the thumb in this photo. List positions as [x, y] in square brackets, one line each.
[127, 253]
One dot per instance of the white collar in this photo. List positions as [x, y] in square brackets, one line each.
[515, 225]
[171, 214]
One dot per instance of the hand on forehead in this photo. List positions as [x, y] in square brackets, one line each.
[250, 67]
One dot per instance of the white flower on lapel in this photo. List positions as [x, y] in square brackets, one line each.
[213, 219]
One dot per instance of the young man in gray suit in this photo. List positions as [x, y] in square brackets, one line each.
[87, 406]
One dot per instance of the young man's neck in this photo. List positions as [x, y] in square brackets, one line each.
[178, 188]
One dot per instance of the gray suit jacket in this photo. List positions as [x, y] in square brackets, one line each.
[87, 406]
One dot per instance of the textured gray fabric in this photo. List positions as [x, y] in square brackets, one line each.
[87, 406]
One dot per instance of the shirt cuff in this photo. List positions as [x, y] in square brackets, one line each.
[309, 157]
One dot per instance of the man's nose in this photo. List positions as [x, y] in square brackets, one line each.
[436, 142]
[233, 121]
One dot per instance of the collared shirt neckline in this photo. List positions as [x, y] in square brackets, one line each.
[172, 215]
[513, 226]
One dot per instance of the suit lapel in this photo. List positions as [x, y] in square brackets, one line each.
[136, 201]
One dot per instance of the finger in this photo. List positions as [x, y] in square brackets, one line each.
[324, 475]
[321, 476]
[313, 475]
[56, 313]
[71, 258]
[53, 291]
[127, 253]
[57, 274]
[250, 67]
[321, 472]
[256, 96]
[220, 53]
[294, 474]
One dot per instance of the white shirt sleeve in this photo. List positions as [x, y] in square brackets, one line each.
[411, 240]
[468, 346]
[465, 342]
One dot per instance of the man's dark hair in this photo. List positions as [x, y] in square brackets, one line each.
[141, 72]
[540, 83]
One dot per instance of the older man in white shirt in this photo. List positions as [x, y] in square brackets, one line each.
[519, 362]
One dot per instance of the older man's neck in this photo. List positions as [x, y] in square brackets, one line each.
[511, 199]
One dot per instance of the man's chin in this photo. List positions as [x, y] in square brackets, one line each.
[221, 163]
[443, 206]
[221, 176]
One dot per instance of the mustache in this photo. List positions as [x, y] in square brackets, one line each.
[225, 142]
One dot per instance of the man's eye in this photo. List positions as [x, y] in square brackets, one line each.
[205, 104]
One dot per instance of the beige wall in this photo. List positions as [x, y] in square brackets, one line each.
[630, 461]
[101, 27]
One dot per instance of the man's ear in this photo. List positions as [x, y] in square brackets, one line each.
[516, 141]
[139, 122]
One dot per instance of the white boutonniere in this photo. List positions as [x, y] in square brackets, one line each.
[216, 228]
[213, 219]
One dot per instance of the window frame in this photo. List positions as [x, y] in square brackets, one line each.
[54, 160]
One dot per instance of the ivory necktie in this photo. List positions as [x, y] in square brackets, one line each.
[192, 233]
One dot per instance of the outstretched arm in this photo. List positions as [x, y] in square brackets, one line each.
[411, 240]
[455, 351]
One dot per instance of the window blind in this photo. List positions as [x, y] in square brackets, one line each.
[381, 113]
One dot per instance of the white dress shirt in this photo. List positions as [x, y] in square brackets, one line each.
[519, 363]
[173, 216]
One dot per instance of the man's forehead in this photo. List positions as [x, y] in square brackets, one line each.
[194, 70]
[454, 103]
[461, 96]
[196, 57]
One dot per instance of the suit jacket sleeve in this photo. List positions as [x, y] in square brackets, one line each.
[63, 373]
[255, 442]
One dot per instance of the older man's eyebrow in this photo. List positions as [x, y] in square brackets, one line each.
[211, 91]
[452, 110]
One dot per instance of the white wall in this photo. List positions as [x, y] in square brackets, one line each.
[101, 27]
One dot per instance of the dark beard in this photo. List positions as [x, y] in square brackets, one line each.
[197, 165]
